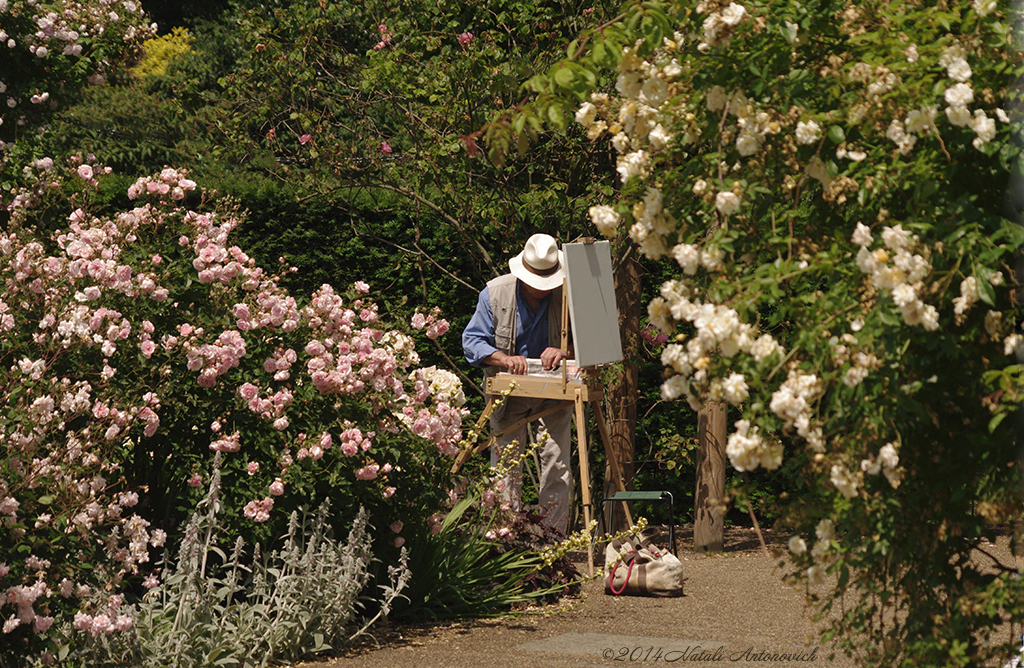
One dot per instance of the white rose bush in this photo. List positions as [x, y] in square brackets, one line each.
[837, 187]
[146, 355]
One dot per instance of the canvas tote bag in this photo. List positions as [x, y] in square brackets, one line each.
[637, 568]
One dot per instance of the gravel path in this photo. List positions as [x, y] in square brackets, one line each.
[736, 611]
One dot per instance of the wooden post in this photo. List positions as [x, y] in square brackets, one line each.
[709, 505]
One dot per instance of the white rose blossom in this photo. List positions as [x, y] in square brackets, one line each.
[688, 258]
[586, 114]
[716, 98]
[959, 95]
[606, 219]
[958, 70]
[807, 133]
[958, 115]
[984, 7]
[727, 202]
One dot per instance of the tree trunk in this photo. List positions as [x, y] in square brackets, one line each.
[621, 393]
[709, 505]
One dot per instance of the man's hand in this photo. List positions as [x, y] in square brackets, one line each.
[551, 358]
[515, 363]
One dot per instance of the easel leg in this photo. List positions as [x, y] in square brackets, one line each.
[620, 483]
[581, 433]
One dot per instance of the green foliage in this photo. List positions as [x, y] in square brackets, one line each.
[463, 573]
[162, 51]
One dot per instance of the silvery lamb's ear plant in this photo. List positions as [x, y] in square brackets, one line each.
[217, 609]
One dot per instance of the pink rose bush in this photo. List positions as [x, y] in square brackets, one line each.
[126, 376]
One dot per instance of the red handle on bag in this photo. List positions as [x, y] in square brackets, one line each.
[611, 576]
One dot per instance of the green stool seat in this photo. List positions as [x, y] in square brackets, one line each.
[652, 496]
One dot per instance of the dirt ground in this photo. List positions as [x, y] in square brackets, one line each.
[736, 611]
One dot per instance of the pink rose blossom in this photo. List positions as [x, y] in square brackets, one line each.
[305, 139]
[465, 38]
[195, 481]
[368, 472]
[277, 487]
[385, 147]
[399, 542]
[253, 468]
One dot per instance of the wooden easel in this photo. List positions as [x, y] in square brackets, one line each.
[563, 390]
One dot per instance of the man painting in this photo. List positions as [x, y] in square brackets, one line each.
[518, 317]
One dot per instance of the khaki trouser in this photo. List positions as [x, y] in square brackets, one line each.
[555, 471]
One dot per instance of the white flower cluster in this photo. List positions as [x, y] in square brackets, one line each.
[653, 224]
[444, 386]
[807, 132]
[888, 463]
[793, 403]
[718, 330]
[691, 258]
[879, 80]
[606, 220]
[904, 133]
[638, 130]
[968, 296]
[822, 551]
[862, 363]
[896, 269]
[721, 22]
[960, 95]
[747, 449]
[752, 126]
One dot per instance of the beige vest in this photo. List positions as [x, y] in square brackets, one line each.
[502, 291]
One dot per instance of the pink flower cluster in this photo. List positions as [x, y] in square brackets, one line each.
[280, 363]
[213, 360]
[229, 443]
[59, 308]
[259, 510]
[215, 261]
[385, 37]
[443, 427]
[23, 598]
[353, 441]
[434, 324]
[106, 622]
[169, 183]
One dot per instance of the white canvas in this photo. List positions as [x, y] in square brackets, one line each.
[592, 310]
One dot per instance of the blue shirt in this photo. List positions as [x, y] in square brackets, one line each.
[531, 329]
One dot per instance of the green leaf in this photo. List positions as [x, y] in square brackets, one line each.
[836, 134]
[564, 76]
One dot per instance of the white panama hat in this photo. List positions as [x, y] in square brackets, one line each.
[540, 264]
